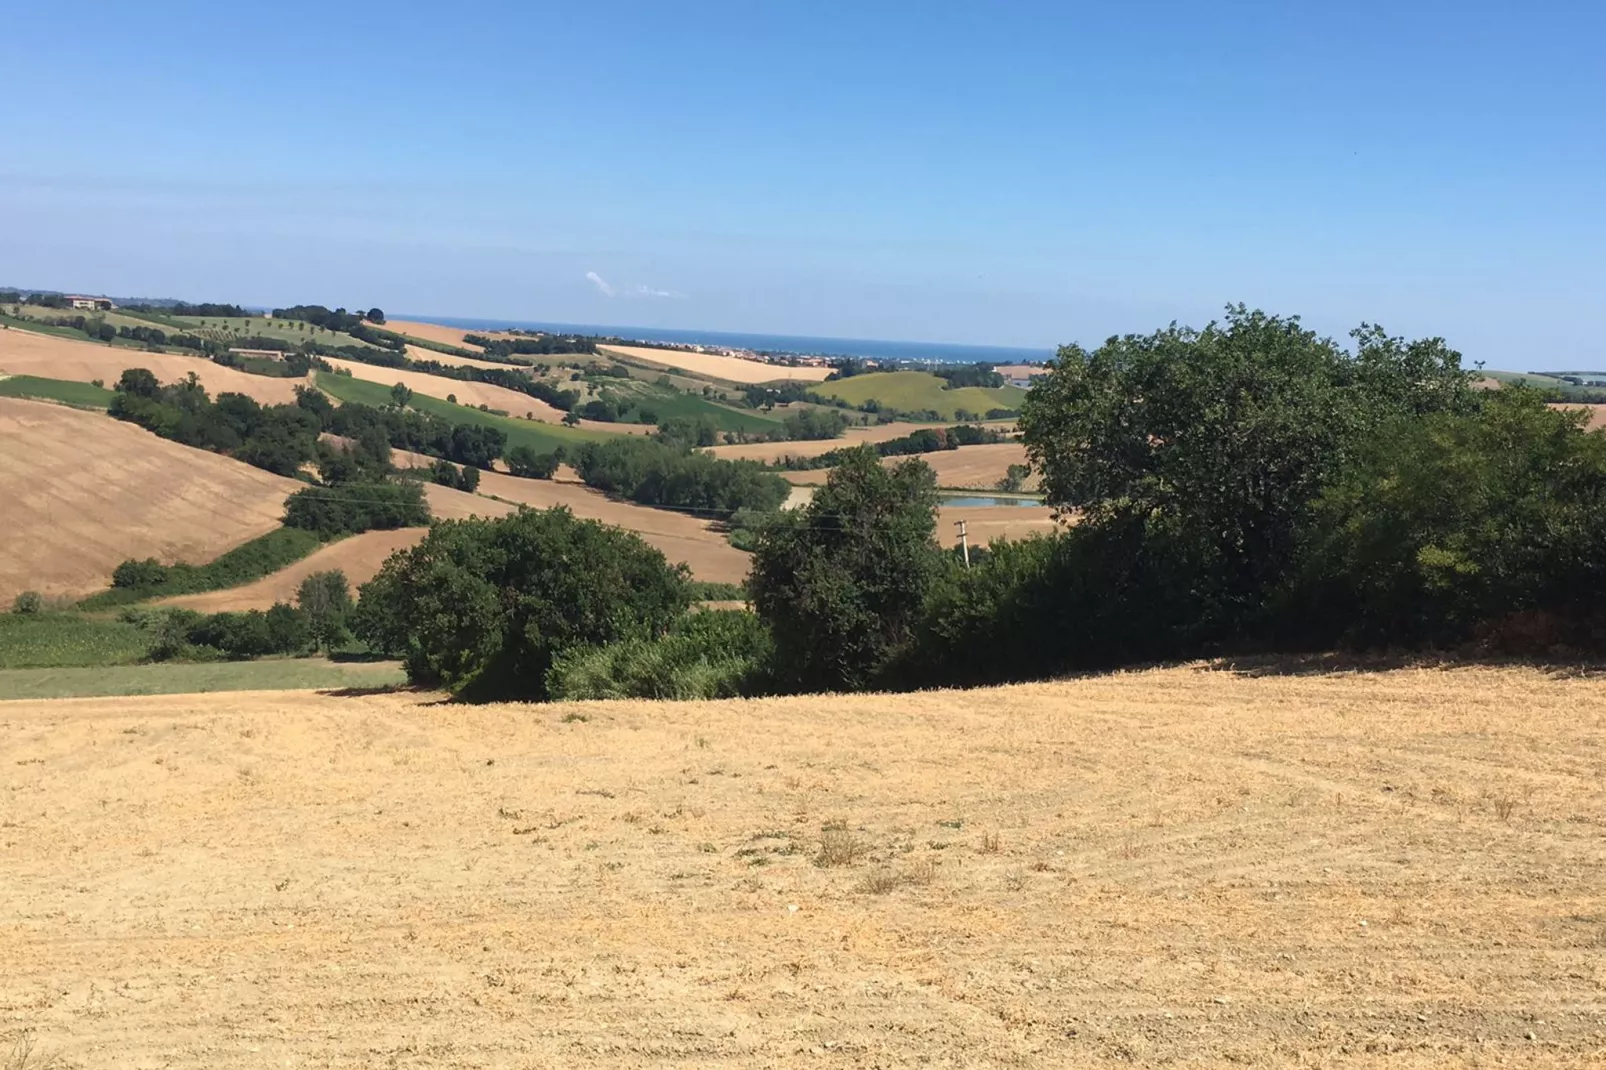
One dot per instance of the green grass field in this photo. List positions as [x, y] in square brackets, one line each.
[920, 391]
[116, 319]
[671, 404]
[541, 437]
[68, 640]
[65, 332]
[78, 395]
[173, 678]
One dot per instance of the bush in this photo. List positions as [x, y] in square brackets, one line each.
[138, 574]
[483, 607]
[357, 507]
[235, 636]
[707, 655]
[28, 602]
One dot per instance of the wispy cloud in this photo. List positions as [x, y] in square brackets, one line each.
[608, 289]
[648, 291]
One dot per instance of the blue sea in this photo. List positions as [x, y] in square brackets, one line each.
[801, 345]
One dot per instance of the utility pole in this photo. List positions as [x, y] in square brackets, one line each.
[964, 541]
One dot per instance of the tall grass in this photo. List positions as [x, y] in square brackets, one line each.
[58, 640]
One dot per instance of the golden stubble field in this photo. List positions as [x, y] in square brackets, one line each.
[81, 492]
[1174, 867]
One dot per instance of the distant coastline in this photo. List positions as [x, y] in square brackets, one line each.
[798, 345]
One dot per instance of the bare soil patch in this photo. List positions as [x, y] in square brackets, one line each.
[1175, 867]
[81, 492]
[434, 332]
[985, 523]
[26, 353]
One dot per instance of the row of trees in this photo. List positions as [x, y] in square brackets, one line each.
[532, 345]
[278, 438]
[653, 472]
[922, 440]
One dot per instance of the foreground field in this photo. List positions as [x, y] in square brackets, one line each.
[83, 492]
[1179, 866]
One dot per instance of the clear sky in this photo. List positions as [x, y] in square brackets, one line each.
[1013, 173]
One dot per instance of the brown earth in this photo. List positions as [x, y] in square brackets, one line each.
[81, 492]
[716, 366]
[1163, 868]
[420, 353]
[978, 467]
[1596, 414]
[26, 353]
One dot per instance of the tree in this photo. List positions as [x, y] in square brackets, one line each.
[357, 507]
[482, 607]
[524, 461]
[28, 603]
[324, 599]
[1014, 478]
[375, 316]
[571, 418]
[841, 581]
[1224, 436]
[468, 479]
[400, 395]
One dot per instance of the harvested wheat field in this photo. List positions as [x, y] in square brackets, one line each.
[26, 353]
[420, 353]
[1189, 867]
[716, 366]
[853, 436]
[358, 556]
[976, 467]
[1596, 414]
[984, 523]
[434, 332]
[82, 492]
[467, 392]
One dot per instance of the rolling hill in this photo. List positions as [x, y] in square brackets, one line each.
[84, 492]
[920, 392]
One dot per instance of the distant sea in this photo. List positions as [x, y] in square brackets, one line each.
[802, 345]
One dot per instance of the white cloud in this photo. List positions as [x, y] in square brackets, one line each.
[647, 291]
[608, 289]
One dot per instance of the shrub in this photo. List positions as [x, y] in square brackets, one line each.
[28, 602]
[708, 654]
[137, 574]
[483, 607]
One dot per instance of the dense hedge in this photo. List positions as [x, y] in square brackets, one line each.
[653, 473]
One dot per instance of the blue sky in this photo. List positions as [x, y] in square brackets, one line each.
[1018, 174]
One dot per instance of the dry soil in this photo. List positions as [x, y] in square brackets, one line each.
[1175, 867]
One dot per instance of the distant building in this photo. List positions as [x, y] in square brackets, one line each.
[102, 304]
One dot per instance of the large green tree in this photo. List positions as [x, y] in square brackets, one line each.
[1223, 437]
[482, 607]
[841, 580]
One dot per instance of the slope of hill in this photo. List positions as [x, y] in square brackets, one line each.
[713, 366]
[27, 353]
[1271, 867]
[432, 332]
[919, 392]
[978, 467]
[83, 492]
[467, 393]
[853, 436]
